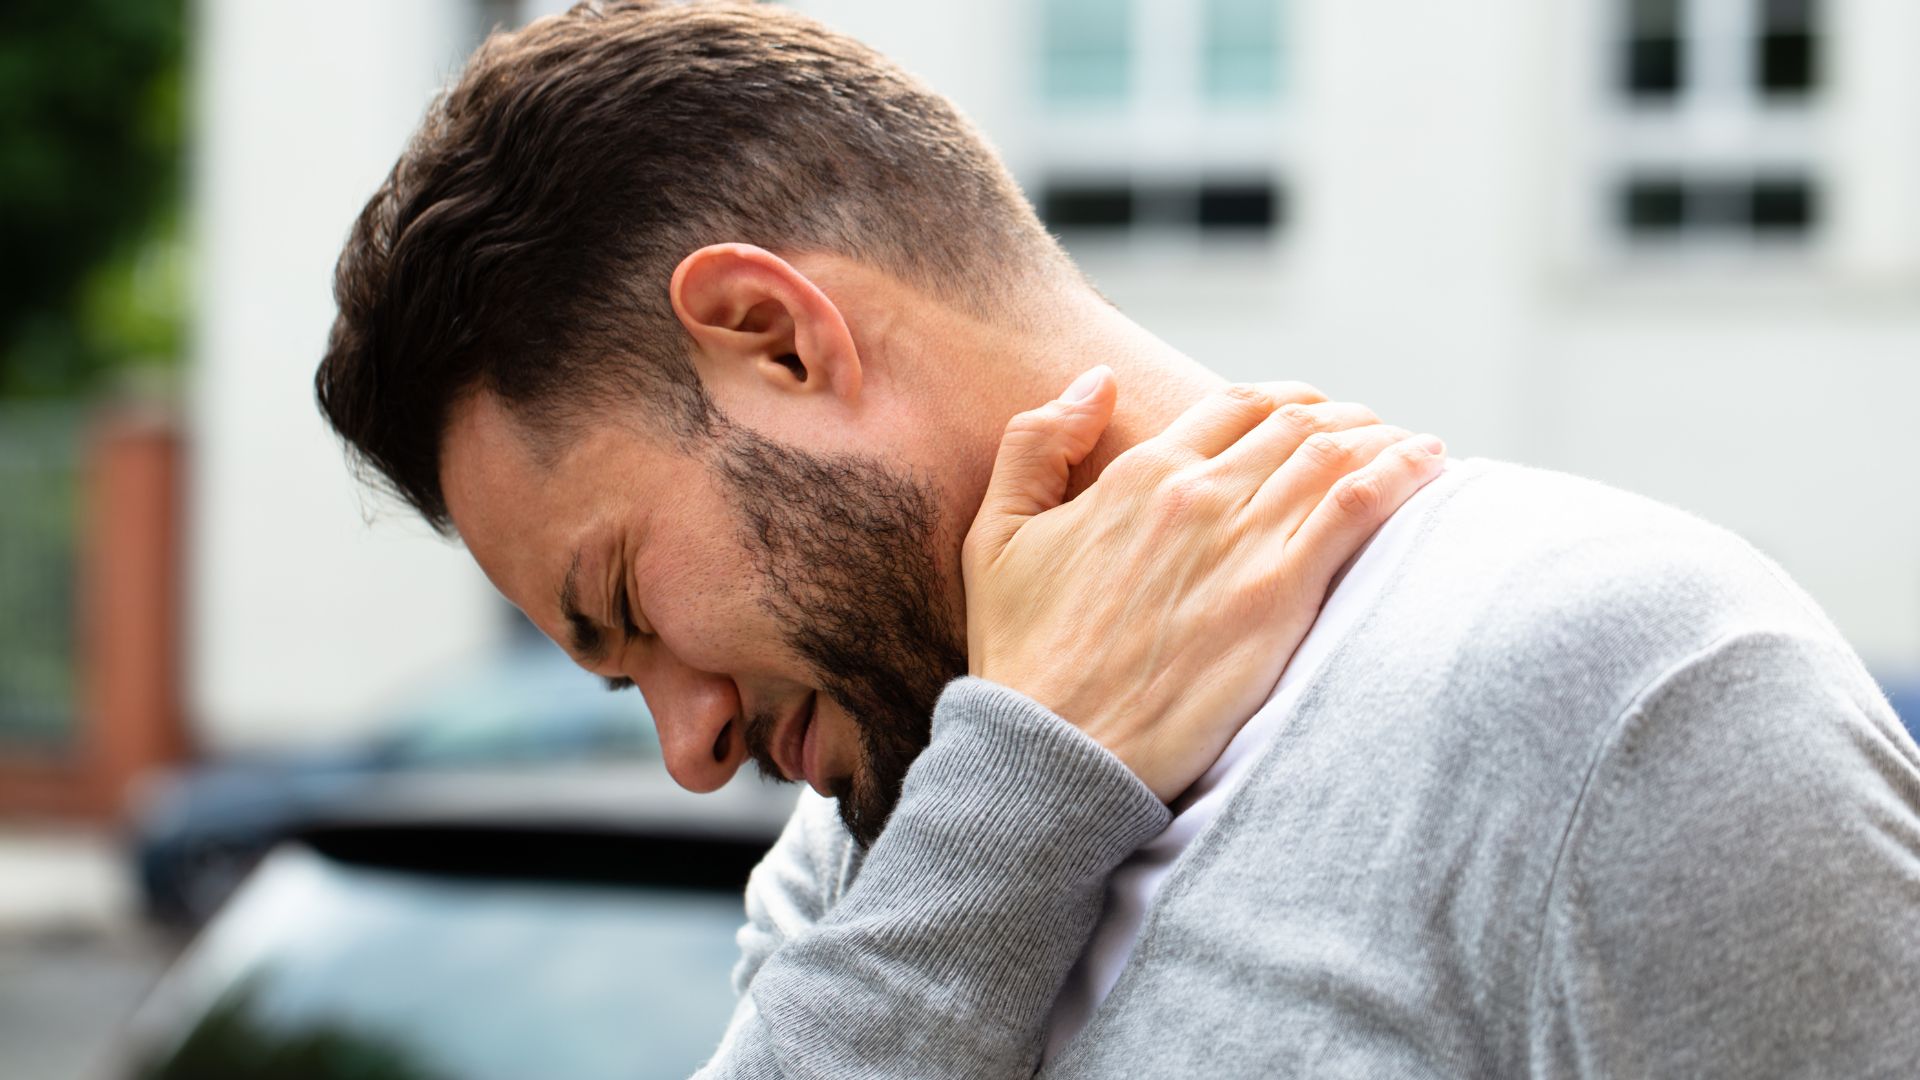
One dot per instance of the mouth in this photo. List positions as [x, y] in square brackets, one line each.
[798, 754]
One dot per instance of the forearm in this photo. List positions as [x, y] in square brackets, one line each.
[945, 955]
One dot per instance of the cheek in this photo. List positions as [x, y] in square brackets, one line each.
[705, 592]
[707, 611]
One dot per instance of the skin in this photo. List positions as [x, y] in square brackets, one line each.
[812, 351]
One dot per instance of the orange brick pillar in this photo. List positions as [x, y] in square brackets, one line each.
[129, 622]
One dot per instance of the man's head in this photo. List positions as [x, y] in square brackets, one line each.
[652, 313]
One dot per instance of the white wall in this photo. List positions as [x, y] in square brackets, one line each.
[1793, 426]
[1432, 153]
[1426, 272]
[304, 620]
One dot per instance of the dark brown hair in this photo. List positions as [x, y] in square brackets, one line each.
[523, 243]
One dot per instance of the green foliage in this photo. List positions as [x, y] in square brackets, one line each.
[91, 148]
[37, 514]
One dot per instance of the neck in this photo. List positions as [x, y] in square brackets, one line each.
[1067, 328]
[1157, 382]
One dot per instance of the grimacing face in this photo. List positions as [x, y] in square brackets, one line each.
[770, 602]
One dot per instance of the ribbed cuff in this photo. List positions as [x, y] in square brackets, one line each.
[1003, 766]
[972, 905]
[1015, 816]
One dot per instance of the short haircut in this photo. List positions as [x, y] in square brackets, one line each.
[523, 243]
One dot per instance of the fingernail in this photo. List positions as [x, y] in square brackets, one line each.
[1431, 444]
[1083, 386]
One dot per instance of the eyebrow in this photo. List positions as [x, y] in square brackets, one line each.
[588, 639]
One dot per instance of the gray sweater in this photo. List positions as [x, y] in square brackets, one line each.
[1591, 790]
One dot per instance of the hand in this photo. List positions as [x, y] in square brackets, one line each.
[1157, 609]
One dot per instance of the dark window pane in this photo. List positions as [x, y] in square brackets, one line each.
[1087, 206]
[1654, 69]
[1253, 205]
[1786, 60]
[1653, 207]
[1783, 206]
[1658, 207]
[1653, 55]
[1789, 65]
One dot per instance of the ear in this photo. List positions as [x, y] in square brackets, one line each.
[759, 324]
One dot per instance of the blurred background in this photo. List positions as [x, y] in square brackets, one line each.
[1670, 244]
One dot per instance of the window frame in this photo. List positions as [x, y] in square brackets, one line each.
[1168, 141]
[1718, 129]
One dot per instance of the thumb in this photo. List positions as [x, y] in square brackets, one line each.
[1036, 453]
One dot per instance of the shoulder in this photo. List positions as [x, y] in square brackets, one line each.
[1567, 575]
[1536, 527]
[1701, 693]
[1748, 840]
[1763, 732]
[1537, 611]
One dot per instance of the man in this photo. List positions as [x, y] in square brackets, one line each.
[1560, 783]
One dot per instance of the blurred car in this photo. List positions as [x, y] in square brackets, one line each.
[451, 941]
[1906, 702]
[522, 729]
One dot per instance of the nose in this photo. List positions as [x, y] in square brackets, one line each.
[698, 716]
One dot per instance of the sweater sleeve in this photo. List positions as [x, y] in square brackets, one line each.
[1739, 893]
[942, 958]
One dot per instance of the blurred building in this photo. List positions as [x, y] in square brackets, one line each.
[1671, 244]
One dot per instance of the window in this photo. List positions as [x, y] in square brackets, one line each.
[1652, 50]
[1246, 205]
[1160, 121]
[1070, 206]
[1654, 206]
[1786, 49]
[1782, 205]
[1240, 205]
[1241, 49]
[1709, 133]
[1087, 50]
[1672, 207]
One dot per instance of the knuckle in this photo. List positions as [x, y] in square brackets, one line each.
[1245, 402]
[1021, 424]
[1413, 455]
[1357, 495]
[1246, 394]
[1185, 495]
[1325, 450]
[1301, 419]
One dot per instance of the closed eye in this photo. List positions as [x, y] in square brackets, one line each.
[625, 611]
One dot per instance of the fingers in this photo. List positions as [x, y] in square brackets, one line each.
[1039, 448]
[1222, 417]
[1361, 501]
[1289, 493]
[1274, 440]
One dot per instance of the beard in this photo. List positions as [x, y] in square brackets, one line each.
[846, 548]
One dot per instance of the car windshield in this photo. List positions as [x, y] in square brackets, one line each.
[320, 969]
